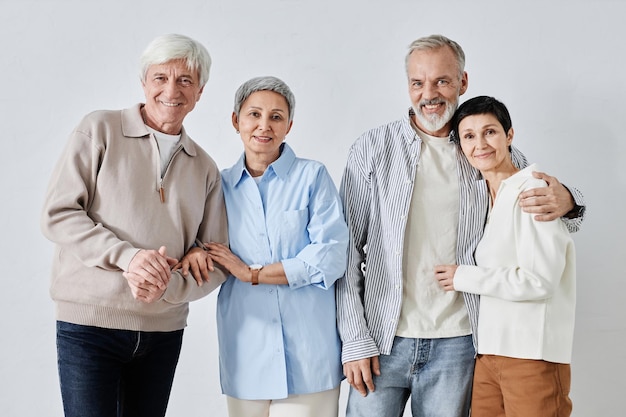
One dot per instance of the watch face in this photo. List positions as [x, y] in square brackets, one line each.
[255, 266]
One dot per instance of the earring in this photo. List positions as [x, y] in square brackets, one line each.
[237, 131]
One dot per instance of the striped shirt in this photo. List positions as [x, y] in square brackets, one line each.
[376, 189]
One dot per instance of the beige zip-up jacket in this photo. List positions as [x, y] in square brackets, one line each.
[106, 201]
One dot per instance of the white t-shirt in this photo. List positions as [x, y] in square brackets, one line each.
[430, 239]
[167, 144]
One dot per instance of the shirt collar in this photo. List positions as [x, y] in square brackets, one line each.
[133, 126]
[280, 167]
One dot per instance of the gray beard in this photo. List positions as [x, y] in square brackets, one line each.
[436, 122]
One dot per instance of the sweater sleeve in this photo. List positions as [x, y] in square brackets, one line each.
[65, 218]
[214, 228]
[181, 289]
[540, 258]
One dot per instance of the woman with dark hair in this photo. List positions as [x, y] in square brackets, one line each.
[525, 275]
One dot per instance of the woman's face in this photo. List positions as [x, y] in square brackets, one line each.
[263, 123]
[172, 91]
[485, 143]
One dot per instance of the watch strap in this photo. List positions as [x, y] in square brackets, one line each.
[255, 274]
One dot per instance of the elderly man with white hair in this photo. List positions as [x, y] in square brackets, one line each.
[130, 195]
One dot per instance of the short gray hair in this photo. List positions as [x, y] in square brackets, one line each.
[436, 42]
[169, 47]
[266, 83]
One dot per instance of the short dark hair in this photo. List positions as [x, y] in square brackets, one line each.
[480, 105]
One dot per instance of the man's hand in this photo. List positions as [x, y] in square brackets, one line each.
[199, 262]
[445, 275]
[141, 290]
[149, 273]
[549, 202]
[360, 374]
[152, 267]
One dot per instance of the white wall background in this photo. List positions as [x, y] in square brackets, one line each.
[558, 65]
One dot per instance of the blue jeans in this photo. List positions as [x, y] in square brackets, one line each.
[436, 373]
[108, 373]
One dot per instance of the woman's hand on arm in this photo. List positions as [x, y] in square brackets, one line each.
[198, 261]
[445, 276]
[270, 274]
[222, 254]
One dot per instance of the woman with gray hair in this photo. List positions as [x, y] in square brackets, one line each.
[278, 341]
[118, 210]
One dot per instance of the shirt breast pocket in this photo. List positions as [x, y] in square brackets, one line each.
[293, 232]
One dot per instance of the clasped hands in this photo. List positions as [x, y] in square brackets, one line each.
[150, 271]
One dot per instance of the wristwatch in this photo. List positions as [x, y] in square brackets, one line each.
[255, 269]
[576, 212]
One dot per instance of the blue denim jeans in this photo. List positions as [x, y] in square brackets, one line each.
[436, 373]
[108, 373]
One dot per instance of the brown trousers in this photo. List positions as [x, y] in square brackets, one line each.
[510, 387]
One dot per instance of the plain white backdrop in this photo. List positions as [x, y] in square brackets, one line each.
[558, 65]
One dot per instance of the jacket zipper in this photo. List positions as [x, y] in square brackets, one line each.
[162, 192]
[161, 188]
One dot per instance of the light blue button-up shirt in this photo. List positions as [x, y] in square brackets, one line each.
[279, 340]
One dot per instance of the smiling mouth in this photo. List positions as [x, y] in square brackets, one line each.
[432, 112]
[166, 104]
[263, 139]
[430, 106]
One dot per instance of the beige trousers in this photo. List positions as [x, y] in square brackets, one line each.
[319, 404]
